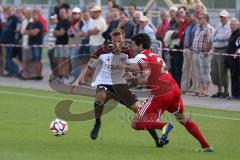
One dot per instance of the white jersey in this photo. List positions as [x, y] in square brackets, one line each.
[106, 68]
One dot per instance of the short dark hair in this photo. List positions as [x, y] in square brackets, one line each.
[134, 6]
[190, 12]
[117, 32]
[142, 38]
[125, 14]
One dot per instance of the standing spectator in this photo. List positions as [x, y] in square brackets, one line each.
[126, 25]
[187, 69]
[176, 57]
[234, 62]
[75, 39]
[110, 4]
[85, 49]
[35, 32]
[96, 29]
[17, 52]
[25, 49]
[1, 53]
[172, 24]
[220, 42]
[132, 8]
[199, 9]
[8, 37]
[202, 47]
[145, 28]
[62, 54]
[60, 4]
[163, 27]
[43, 20]
[52, 43]
[113, 24]
[161, 31]
[136, 17]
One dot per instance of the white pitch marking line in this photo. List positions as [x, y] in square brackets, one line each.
[39, 96]
[83, 101]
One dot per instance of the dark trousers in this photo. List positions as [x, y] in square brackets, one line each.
[52, 60]
[176, 63]
[235, 80]
[9, 65]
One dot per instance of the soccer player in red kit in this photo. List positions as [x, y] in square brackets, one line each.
[165, 93]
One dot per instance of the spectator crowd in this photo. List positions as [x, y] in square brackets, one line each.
[198, 61]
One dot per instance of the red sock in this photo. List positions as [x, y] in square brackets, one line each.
[146, 125]
[193, 129]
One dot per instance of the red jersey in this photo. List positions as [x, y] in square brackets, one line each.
[159, 80]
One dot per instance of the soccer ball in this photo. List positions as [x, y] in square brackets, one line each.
[58, 127]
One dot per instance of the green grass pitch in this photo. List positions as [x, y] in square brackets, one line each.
[25, 115]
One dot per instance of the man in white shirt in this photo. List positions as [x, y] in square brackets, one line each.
[220, 42]
[25, 49]
[97, 27]
[145, 27]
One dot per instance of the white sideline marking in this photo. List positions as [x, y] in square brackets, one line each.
[83, 101]
[217, 117]
[38, 96]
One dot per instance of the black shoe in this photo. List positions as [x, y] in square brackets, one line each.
[95, 131]
[37, 78]
[217, 95]
[224, 95]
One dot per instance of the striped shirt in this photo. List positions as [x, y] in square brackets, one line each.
[51, 37]
[203, 37]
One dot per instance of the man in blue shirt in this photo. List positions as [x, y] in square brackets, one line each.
[187, 69]
[145, 27]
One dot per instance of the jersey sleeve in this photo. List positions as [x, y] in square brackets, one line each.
[129, 52]
[98, 53]
[140, 59]
[93, 62]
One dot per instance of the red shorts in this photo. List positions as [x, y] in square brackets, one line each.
[154, 106]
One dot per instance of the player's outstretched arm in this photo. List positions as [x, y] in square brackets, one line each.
[80, 78]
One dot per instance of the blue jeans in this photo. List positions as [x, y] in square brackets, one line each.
[75, 62]
[35, 54]
[10, 66]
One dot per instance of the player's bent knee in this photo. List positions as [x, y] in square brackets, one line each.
[135, 107]
[181, 118]
[100, 98]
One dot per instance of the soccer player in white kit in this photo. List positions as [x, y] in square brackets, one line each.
[108, 78]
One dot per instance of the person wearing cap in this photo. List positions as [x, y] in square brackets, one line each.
[145, 28]
[220, 42]
[172, 14]
[96, 29]
[234, 62]
[73, 32]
